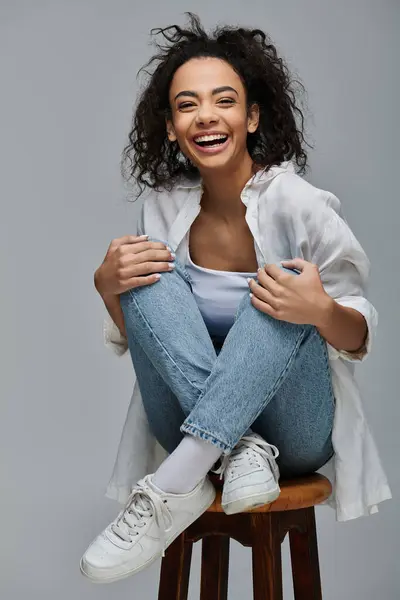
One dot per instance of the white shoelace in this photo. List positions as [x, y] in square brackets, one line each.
[256, 444]
[143, 503]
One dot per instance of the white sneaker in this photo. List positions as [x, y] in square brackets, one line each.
[145, 527]
[251, 475]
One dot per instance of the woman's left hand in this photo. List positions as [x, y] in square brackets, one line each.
[289, 297]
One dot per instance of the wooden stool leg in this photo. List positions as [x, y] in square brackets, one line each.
[267, 563]
[175, 570]
[304, 555]
[214, 568]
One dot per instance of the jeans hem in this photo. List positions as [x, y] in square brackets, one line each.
[205, 435]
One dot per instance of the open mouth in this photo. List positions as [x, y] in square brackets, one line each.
[210, 141]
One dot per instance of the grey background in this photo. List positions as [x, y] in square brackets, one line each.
[67, 87]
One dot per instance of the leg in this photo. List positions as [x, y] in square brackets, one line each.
[267, 562]
[175, 570]
[214, 568]
[304, 555]
[167, 367]
[298, 420]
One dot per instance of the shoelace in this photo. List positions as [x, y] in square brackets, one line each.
[258, 445]
[142, 503]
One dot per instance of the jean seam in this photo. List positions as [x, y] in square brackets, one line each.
[326, 357]
[239, 306]
[160, 343]
[187, 276]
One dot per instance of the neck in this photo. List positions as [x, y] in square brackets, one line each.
[221, 197]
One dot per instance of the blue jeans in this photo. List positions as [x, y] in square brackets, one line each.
[269, 375]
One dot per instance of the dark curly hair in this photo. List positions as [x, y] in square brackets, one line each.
[152, 161]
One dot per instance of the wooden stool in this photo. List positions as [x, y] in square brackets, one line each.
[264, 530]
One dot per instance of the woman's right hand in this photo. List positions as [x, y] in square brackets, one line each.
[131, 262]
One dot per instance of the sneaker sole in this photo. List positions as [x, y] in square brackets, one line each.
[251, 501]
[154, 558]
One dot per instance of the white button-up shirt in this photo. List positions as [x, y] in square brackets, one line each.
[288, 217]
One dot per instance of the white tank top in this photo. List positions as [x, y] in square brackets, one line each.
[217, 294]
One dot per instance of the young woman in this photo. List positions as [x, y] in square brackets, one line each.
[243, 307]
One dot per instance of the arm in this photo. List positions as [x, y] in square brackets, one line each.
[114, 332]
[343, 327]
[350, 319]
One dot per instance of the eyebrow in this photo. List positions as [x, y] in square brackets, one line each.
[218, 90]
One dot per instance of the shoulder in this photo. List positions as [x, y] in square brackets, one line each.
[288, 192]
[166, 202]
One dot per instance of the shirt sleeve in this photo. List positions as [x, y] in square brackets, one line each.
[112, 337]
[344, 270]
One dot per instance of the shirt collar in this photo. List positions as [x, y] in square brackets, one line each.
[258, 178]
[191, 207]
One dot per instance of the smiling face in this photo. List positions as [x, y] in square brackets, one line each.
[210, 120]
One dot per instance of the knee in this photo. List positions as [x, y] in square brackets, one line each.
[304, 463]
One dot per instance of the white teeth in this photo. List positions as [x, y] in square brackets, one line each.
[209, 138]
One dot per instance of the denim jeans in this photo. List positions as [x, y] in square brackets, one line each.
[269, 375]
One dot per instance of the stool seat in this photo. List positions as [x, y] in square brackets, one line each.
[295, 494]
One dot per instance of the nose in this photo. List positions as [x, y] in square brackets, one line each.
[205, 115]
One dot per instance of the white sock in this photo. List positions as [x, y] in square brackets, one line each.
[188, 464]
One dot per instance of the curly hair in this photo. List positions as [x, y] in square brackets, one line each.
[152, 161]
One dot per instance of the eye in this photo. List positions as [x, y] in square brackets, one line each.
[226, 101]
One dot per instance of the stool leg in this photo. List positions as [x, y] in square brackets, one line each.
[214, 568]
[175, 570]
[304, 555]
[267, 562]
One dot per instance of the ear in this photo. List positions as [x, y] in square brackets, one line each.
[170, 131]
[253, 118]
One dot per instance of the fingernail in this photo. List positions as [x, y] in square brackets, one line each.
[173, 254]
[171, 266]
[249, 279]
